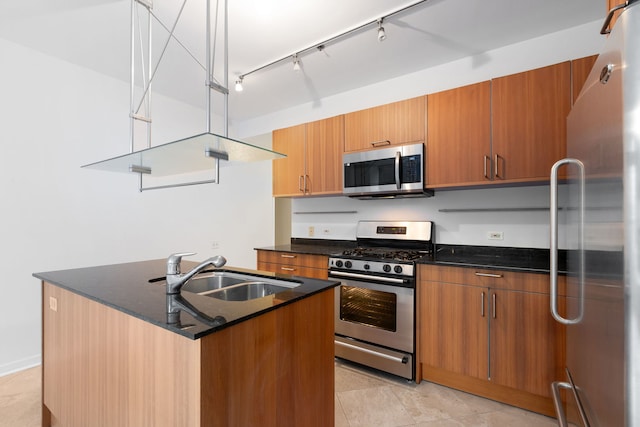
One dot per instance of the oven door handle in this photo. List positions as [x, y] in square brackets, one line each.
[366, 277]
[403, 360]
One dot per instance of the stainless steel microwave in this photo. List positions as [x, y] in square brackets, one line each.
[386, 172]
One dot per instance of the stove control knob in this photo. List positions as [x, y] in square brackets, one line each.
[348, 264]
[367, 267]
[386, 268]
[397, 269]
[338, 264]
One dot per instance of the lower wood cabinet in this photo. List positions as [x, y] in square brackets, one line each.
[490, 333]
[296, 264]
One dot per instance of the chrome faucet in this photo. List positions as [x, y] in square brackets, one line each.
[175, 280]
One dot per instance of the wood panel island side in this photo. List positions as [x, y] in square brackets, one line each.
[110, 358]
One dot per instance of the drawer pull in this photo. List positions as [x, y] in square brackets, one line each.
[482, 304]
[497, 276]
[287, 256]
[287, 269]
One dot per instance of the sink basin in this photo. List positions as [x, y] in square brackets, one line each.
[230, 286]
[245, 291]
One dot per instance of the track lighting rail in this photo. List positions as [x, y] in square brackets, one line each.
[321, 45]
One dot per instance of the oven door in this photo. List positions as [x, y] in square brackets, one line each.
[375, 312]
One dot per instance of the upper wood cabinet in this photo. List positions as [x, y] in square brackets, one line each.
[529, 112]
[313, 165]
[580, 69]
[390, 124]
[288, 173]
[459, 136]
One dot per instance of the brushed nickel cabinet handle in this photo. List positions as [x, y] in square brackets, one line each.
[496, 168]
[486, 160]
[482, 304]
[381, 143]
[493, 302]
[287, 269]
[300, 184]
[287, 256]
[496, 276]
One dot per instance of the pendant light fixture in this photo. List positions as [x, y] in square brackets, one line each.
[193, 153]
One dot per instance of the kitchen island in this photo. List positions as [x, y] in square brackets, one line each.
[113, 357]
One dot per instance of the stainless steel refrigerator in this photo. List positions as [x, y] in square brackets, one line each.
[595, 216]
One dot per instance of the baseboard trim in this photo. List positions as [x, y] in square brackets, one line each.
[20, 365]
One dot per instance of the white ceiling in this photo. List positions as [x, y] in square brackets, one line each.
[95, 34]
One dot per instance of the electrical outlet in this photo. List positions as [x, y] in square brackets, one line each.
[495, 235]
[53, 303]
[215, 245]
[312, 231]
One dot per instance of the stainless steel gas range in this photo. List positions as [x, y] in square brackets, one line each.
[375, 303]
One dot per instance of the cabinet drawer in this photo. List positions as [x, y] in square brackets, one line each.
[294, 270]
[293, 259]
[497, 279]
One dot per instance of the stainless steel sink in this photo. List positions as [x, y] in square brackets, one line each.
[230, 286]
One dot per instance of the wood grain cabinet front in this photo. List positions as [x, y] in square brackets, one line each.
[396, 123]
[296, 264]
[313, 165]
[459, 136]
[489, 332]
[529, 112]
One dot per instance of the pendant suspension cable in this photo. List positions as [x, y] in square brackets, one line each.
[164, 49]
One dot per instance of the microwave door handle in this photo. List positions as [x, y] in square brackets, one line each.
[397, 168]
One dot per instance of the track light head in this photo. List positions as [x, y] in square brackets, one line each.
[296, 63]
[239, 87]
[381, 34]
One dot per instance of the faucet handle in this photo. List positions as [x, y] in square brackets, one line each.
[173, 262]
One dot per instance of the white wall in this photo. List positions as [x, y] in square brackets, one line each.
[520, 228]
[55, 215]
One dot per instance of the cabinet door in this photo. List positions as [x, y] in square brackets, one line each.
[453, 328]
[390, 124]
[529, 112]
[288, 173]
[580, 69]
[523, 339]
[459, 136]
[325, 145]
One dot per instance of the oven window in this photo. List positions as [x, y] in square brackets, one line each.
[368, 307]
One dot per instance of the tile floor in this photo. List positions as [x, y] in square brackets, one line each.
[364, 398]
[367, 398]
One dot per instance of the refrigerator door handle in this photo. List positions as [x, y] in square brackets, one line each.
[553, 222]
[557, 401]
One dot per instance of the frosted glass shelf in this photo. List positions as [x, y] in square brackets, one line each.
[186, 155]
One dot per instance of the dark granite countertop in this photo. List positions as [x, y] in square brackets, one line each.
[127, 288]
[490, 257]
